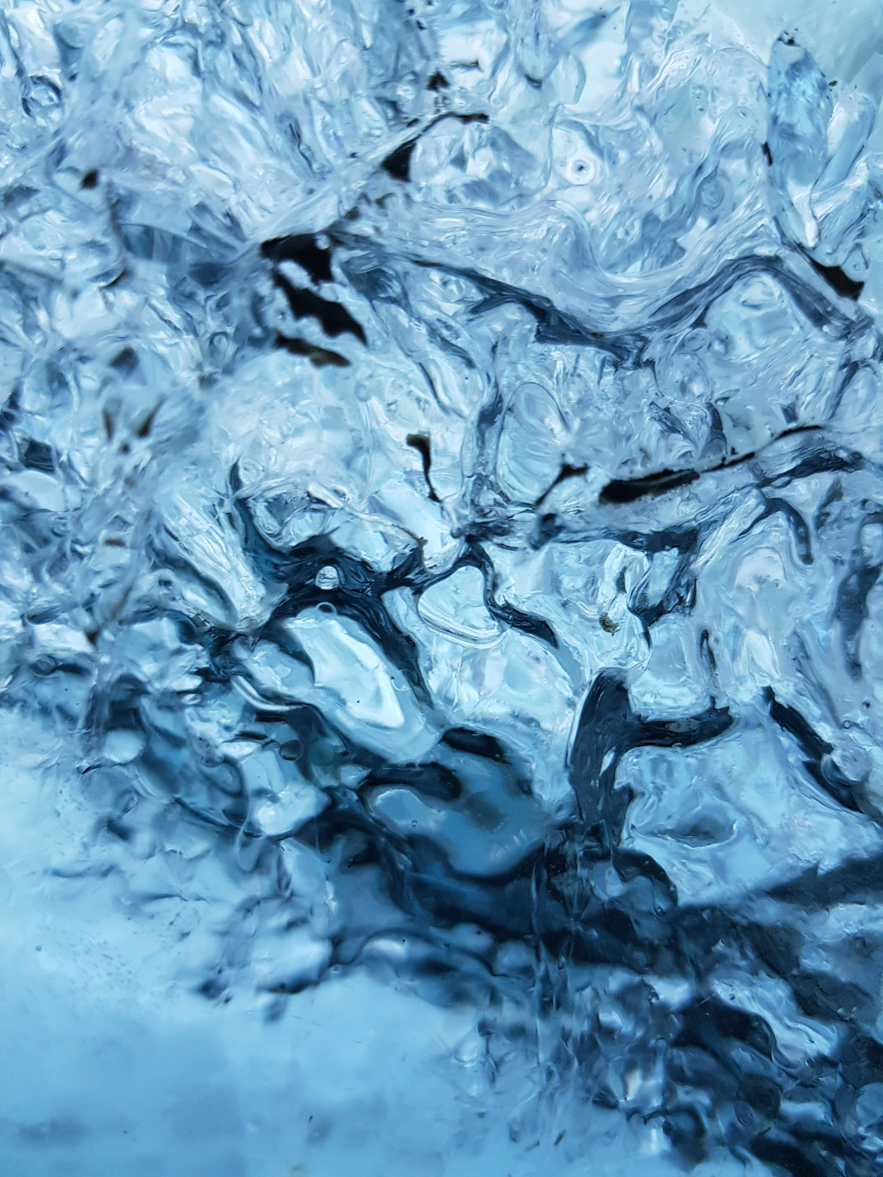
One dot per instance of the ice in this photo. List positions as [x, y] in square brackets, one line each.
[440, 586]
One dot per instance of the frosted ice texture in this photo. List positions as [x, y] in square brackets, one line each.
[442, 518]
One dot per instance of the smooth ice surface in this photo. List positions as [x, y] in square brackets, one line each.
[441, 490]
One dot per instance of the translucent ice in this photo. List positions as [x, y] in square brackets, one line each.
[441, 489]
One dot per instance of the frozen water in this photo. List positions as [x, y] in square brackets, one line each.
[441, 488]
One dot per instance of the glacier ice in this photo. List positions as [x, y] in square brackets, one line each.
[441, 482]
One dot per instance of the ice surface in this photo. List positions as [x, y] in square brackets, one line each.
[441, 489]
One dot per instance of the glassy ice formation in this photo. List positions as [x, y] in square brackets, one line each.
[443, 509]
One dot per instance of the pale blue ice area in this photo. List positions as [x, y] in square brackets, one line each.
[441, 615]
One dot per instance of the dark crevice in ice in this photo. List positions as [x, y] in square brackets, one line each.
[334, 319]
[304, 249]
